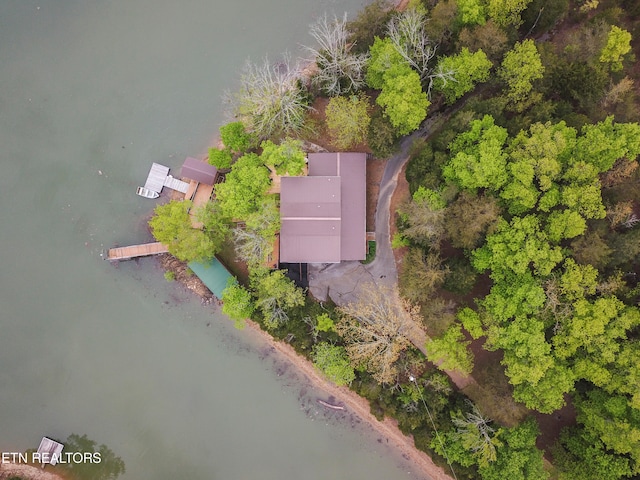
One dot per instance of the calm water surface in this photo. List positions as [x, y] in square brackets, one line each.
[91, 92]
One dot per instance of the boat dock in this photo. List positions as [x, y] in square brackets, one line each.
[158, 179]
[135, 251]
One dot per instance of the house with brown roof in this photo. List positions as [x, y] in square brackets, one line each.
[323, 215]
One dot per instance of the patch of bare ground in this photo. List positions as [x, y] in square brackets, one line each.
[400, 195]
[551, 425]
[236, 266]
[185, 276]
[26, 472]
[375, 169]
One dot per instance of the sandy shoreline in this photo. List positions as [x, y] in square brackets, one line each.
[420, 462]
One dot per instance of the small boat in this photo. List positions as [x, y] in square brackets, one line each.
[146, 193]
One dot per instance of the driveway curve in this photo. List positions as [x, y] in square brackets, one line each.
[342, 281]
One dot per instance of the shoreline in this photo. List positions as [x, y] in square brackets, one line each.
[28, 472]
[421, 464]
[395, 440]
[401, 444]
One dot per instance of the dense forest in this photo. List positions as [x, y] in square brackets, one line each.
[519, 242]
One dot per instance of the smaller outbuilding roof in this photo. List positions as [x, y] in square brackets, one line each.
[197, 170]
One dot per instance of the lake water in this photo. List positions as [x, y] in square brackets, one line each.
[92, 92]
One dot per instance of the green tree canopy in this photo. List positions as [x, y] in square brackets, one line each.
[507, 12]
[450, 351]
[237, 303]
[402, 98]
[275, 296]
[517, 458]
[220, 159]
[348, 120]
[516, 247]
[583, 456]
[478, 157]
[605, 142]
[287, 158]
[618, 45]
[472, 12]
[469, 69]
[171, 225]
[333, 361]
[520, 68]
[514, 295]
[383, 57]
[537, 158]
[244, 188]
[591, 337]
[614, 422]
[235, 137]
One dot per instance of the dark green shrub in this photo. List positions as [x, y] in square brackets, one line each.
[461, 277]
[382, 136]
[371, 22]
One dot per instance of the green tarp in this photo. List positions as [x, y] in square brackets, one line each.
[213, 274]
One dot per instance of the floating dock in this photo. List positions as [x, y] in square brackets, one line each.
[135, 251]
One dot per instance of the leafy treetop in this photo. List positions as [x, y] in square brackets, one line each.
[242, 192]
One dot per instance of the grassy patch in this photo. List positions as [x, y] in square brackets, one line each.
[371, 252]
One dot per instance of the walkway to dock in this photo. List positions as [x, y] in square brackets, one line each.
[176, 184]
[201, 197]
[134, 251]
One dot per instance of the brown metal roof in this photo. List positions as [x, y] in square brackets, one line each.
[310, 197]
[323, 164]
[199, 171]
[323, 216]
[310, 241]
[352, 168]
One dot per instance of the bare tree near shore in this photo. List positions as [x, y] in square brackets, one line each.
[339, 70]
[270, 100]
[376, 329]
[408, 34]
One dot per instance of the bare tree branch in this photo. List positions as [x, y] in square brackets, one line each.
[376, 329]
[408, 35]
[270, 99]
[339, 70]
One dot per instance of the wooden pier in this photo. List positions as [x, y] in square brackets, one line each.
[134, 251]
